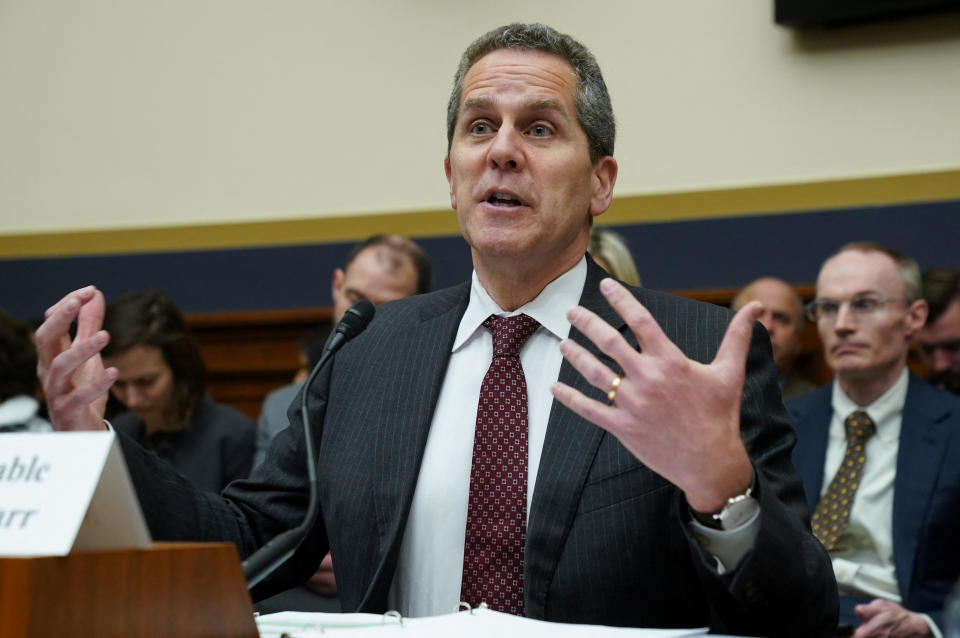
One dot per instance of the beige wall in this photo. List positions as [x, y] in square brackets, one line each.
[125, 113]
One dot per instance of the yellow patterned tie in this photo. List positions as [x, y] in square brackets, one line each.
[832, 513]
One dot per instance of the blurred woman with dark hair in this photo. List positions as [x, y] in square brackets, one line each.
[161, 383]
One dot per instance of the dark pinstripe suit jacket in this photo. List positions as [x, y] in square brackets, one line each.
[606, 539]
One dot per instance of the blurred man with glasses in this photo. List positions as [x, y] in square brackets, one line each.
[879, 449]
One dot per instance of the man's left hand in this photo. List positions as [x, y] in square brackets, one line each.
[886, 619]
[680, 417]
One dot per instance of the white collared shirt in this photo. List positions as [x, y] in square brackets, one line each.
[863, 562]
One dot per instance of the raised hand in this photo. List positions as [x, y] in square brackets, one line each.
[681, 418]
[74, 380]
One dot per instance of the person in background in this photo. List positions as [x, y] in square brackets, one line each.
[783, 318]
[379, 269]
[939, 338]
[879, 449]
[273, 412]
[19, 386]
[160, 380]
[610, 251]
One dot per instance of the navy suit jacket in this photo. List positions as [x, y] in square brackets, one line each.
[607, 539]
[926, 492]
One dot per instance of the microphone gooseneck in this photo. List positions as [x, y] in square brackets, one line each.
[268, 558]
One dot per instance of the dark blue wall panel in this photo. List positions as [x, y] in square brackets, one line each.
[709, 253]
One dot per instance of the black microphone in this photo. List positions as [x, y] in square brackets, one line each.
[354, 320]
[265, 560]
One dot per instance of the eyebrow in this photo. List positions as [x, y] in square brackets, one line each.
[483, 101]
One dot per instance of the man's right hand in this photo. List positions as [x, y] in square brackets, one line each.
[74, 380]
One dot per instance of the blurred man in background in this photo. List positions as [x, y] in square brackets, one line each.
[783, 318]
[939, 339]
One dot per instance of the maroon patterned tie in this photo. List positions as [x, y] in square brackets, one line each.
[497, 511]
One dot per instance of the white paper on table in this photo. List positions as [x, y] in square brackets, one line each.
[481, 623]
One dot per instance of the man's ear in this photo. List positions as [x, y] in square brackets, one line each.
[337, 281]
[604, 178]
[449, 173]
[917, 315]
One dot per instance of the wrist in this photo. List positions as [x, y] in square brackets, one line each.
[717, 493]
[738, 510]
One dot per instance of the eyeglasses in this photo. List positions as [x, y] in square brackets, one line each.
[861, 306]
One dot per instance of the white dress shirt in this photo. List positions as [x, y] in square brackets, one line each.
[863, 559]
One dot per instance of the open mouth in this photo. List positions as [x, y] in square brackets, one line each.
[505, 200]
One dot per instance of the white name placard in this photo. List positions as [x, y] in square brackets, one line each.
[66, 491]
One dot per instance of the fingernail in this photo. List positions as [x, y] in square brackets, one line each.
[573, 313]
[100, 338]
[607, 285]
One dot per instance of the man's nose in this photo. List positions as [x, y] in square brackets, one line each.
[506, 149]
[939, 360]
[845, 322]
[133, 398]
[764, 320]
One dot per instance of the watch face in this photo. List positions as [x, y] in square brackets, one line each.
[736, 514]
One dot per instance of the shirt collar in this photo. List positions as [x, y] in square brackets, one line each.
[549, 307]
[884, 412]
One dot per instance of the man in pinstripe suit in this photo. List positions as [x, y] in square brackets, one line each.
[681, 509]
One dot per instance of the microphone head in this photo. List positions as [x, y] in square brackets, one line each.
[355, 319]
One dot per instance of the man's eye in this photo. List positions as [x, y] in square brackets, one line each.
[781, 318]
[480, 128]
[864, 304]
[949, 347]
[829, 307]
[540, 131]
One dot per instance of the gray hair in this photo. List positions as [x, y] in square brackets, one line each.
[909, 270]
[592, 101]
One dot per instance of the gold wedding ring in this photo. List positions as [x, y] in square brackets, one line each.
[614, 385]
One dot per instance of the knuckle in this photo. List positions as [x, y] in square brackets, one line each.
[675, 364]
[608, 341]
[60, 405]
[636, 317]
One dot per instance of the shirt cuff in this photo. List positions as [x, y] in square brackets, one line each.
[728, 546]
[933, 626]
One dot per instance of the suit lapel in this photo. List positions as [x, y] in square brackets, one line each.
[919, 458]
[568, 451]
[813, 431]
[402, 437]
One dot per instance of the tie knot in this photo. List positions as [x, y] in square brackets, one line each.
[510, 333]
[859, 426]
